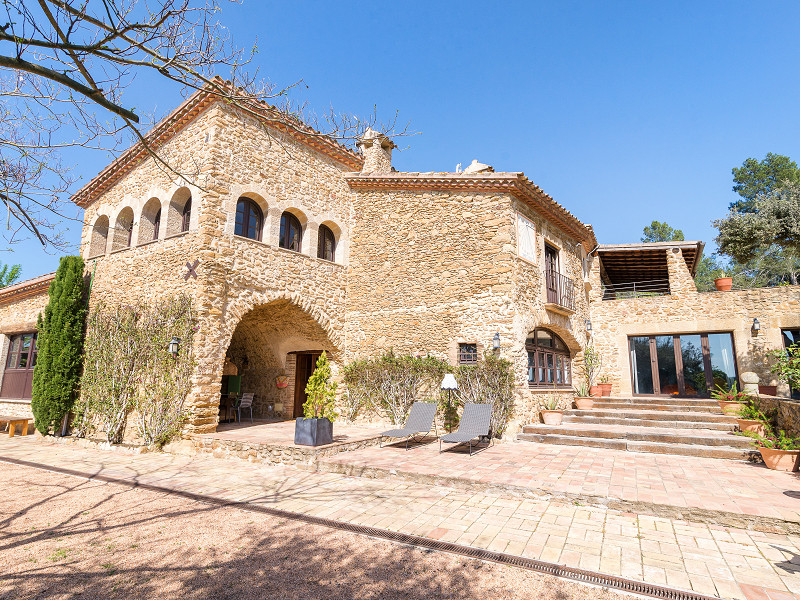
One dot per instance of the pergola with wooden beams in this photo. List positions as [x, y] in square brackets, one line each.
[625, 264]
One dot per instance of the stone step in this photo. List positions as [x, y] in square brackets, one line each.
[653, 415]
[664, 422]
[665, 435]
[726, 452]
[653, 406]
[667, 400]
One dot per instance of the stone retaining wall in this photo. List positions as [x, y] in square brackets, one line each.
[788, 413]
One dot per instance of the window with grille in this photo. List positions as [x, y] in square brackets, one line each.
[467, 354]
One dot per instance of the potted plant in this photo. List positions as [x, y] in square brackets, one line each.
[583, 401]
[730, 400]
[605, 386]
[723, 283]
[591, 368]
[315, 428]
[750, 418]
[551, 415]
[780, 452]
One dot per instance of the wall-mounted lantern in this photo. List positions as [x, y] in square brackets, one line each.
[756, 325]
[588, 324]
[496, 341]
[174, 346]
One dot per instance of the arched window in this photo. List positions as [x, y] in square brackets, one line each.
[291, 232]
[249, 219]
[156, 224]
[326, 244]
[123, 230]
[187, 215]
[97, 245]
[548, 360]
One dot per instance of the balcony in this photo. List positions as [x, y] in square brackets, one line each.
[635, 289]
[560, 293]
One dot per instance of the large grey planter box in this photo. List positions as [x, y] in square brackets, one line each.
[313, 432]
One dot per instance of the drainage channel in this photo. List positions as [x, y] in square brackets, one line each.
[563, 571]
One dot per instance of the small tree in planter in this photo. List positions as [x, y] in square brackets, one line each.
[591, 368]
[315, 428]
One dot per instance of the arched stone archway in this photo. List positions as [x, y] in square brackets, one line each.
[263, 338]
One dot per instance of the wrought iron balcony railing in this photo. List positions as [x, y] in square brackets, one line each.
[636, 289]
[560, 289]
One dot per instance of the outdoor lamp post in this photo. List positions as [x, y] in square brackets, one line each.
[496, 341]
[174, 346]
[449, 383]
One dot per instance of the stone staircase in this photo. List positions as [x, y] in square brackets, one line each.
[682, 426]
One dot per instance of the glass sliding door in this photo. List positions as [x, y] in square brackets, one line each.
[685, 365]
[665, 359]
[641, 366]
[694, 372]
[720, 351]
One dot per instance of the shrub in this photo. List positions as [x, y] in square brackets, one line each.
[491, 381]
[127, 367]
[787, 367]
[320, 392]
[779, 441]
[391, 383]
[60, 341]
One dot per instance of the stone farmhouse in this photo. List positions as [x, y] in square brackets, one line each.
[291, 244]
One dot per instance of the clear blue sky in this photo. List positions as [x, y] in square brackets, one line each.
[624, 112]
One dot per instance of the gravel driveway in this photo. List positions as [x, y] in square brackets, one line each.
[65, 537]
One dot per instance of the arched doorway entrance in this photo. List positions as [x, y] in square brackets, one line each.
[272, 353]
[549, 360]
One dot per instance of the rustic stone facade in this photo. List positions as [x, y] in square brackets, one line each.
[685, 310]
[423, 262]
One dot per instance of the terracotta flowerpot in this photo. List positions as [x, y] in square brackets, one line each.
[768, 390]
[584, 403]
[729, 408]
[595, 391]
[781, 460]
[552, 417]
[723, 284]
[605, 389]
[751, 425]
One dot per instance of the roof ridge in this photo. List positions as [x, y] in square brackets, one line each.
[186, 112]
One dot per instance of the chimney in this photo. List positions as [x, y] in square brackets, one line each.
[377, 151]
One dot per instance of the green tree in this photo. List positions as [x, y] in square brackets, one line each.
[320, 392]
[661, 232]
[774, 221]
[60, 342]
[9, 274]
[759, 177]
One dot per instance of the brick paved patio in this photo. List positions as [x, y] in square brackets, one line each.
[724, 561]
[706, 484]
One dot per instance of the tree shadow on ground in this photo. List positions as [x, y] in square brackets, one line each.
[93, 540]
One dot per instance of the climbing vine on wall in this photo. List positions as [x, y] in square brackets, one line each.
[128, 371]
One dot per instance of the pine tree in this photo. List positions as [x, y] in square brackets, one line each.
[60, 342]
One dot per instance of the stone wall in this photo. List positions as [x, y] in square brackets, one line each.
[788, 413]
[685, 310]
[19, 309]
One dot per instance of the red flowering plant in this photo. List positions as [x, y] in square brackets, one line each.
[779, 441]
[731, 394]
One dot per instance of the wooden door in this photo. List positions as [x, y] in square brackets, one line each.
[306, 363]
[18, 375]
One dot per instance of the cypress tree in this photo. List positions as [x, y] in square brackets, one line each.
[60, 342]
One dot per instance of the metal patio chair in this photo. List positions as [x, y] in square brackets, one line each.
[476, 422]
[421, 420]
[245, 402]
